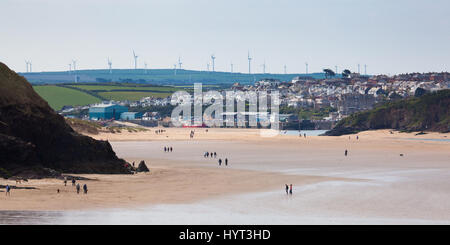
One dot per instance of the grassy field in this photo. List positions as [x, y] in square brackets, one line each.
[84, 94]
[102, 88]
[57, 97]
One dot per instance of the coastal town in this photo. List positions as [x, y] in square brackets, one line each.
[329, 99]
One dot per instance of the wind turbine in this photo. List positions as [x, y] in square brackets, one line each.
[110, 66]
[175, 69]
[249, 60]
[31, 66]
[207, 66]
[336, 69]
[179, 62]
[26, 62]
[306, 65]
[74, 62]
[365, 70]
[135, 60]
[231, 67]
[145, 65]
[285, 70]
[264, 67]
[70, 68]
[359, 69]
[213, 58]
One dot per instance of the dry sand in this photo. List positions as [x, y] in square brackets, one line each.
[373, 182]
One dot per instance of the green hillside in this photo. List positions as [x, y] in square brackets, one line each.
[57, 96]
[430, 112]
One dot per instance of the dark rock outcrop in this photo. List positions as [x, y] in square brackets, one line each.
[429, 112]
[142, 167]
[34, 137]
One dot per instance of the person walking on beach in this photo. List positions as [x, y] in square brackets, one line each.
[346, 152]
[65, 181]
[165, 149]
[171, 149]
[290, 190]
[226, 161]
[304, 135]
[287, 189]
[73, 181]
[78, 188]
[215, 154]
[220, 162]
[357, 137]
[8, 189]
[85, 189]
[207, 154]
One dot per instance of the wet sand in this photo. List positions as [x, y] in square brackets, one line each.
[373, 184]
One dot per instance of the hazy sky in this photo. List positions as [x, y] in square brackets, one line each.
[390, 36]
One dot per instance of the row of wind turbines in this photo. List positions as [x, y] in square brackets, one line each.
[73, 65]
[178, 66]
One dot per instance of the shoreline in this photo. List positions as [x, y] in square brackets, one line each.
[245, 134]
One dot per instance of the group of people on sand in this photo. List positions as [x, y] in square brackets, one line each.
[300, 134]
[357, 137]
[77, 186]
[288, 189]
[160, 131]
[168, 149]
[210, 154]
[214, 154]
[225, 161]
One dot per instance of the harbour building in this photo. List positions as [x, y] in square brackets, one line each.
[106, 111]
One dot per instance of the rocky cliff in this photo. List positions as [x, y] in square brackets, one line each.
[33, 138]
[429, 112]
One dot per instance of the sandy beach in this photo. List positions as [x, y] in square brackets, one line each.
[373, 184]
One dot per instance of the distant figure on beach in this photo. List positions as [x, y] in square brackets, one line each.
[165, 149]
[357, 137]
[171, 149]
[226, 161]
[348, 137]
[8, 189]
[65, 181]
[85, 189]
[57, 191]
[73, 181]
[207, 154]
[78, 188]
[346, 152]
[304, 135]
[287, 189]
[215, 154]
[220, 162]
[290, 189]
